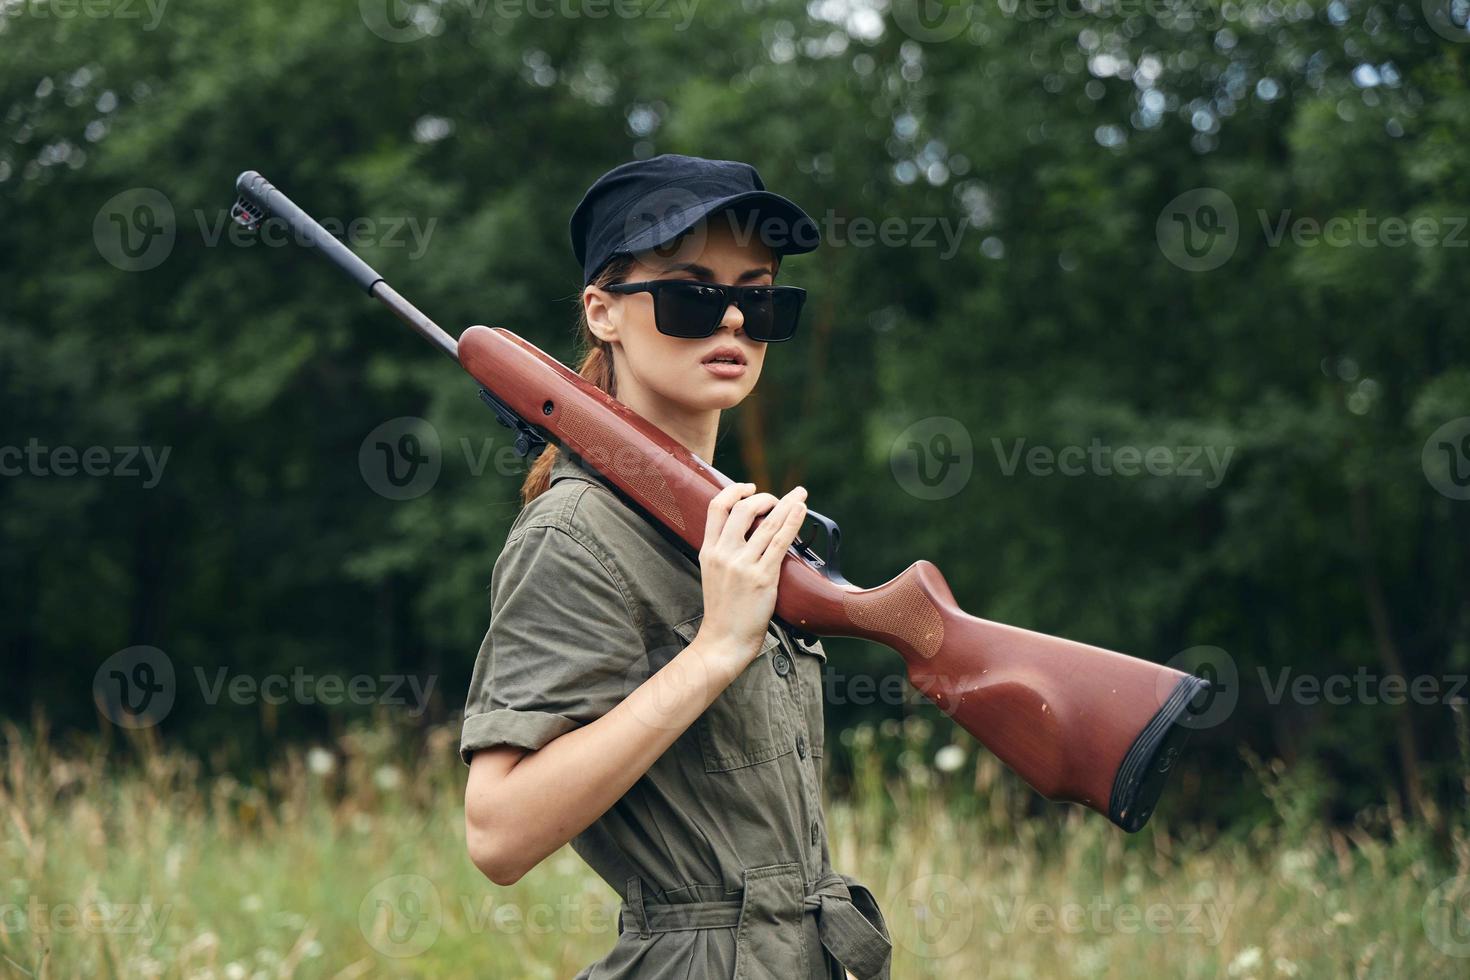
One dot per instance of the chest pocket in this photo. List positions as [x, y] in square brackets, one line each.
[750, 722]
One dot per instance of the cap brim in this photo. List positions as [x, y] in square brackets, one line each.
[762, 216]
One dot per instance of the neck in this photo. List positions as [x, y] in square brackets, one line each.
[694, 429]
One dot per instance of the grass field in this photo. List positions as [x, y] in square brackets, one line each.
[348, 860]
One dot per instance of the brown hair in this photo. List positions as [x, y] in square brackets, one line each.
[596, 367]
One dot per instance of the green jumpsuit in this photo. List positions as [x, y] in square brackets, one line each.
[719, 852]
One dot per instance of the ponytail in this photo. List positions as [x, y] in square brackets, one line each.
[596, 368]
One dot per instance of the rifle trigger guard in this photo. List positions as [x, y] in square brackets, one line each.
[827, 563]
[528, 441]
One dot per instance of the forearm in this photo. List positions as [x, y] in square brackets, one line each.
[551, 795]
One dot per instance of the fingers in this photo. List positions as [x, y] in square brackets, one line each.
[719, 509]
[774, 522]
[786, 531]
[742, 515]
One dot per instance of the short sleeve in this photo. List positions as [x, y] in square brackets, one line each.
[561, 650]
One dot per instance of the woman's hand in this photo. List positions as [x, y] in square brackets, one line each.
[739, 574]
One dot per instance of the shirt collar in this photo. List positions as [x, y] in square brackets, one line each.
[569, 466]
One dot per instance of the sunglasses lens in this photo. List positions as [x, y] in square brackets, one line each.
[771, 314]
[687, 309]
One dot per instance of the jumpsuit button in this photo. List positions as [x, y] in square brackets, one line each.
[816, 833]
[801, 746]
[782, 663]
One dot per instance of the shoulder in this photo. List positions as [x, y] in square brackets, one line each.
[580, 521]
[585, 513]
[553, 560]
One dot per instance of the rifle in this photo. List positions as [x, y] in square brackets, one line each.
[1078, 723]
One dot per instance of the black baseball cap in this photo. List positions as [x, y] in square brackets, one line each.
[644, 204]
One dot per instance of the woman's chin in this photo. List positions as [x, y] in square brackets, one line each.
[714, 396]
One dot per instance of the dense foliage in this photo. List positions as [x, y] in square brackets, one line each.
[1083, 303]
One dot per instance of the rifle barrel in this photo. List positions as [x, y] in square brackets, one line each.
[270, 202]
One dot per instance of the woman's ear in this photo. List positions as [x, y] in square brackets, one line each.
[598, 306]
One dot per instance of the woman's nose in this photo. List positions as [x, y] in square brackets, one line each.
[733, 318]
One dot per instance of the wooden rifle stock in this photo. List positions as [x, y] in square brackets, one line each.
[1079, 723]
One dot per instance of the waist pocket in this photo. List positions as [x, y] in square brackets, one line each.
[746, 725]
[769, 944]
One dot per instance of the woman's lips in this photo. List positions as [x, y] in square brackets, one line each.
[724, 369]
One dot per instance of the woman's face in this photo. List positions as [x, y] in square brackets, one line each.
[658, 374]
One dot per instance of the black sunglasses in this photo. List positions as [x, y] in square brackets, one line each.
[682, 308]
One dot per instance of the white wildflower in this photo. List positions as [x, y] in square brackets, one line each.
[1245, 961]
[949, 758]
[388, 778]
[320, 762]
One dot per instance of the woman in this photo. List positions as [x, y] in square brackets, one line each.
[627, 699]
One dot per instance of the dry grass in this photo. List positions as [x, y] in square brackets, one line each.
[349, 861]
